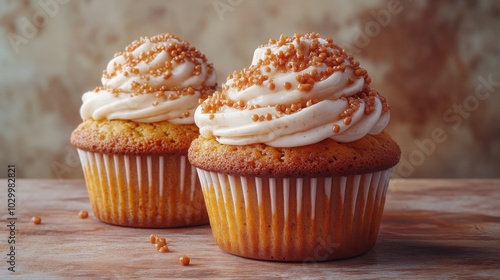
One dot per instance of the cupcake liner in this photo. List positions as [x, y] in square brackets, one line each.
[295, 219]
[143, 191]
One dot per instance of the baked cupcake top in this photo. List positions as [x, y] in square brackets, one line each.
[298, 91]
[159, 78]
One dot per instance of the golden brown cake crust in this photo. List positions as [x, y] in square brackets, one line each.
[372, 153]
[127, 137]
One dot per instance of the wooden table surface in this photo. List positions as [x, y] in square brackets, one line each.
[431, 229]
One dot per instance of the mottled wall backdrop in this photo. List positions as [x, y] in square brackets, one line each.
[437, 62]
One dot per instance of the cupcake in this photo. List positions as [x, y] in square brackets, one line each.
[136, 131]
[293, 158]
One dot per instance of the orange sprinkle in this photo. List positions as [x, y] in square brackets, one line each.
[305, 87]
[152, 238]
[164, 249]
[83, 214]
[36, 220]
[158, 246]
[184, 260]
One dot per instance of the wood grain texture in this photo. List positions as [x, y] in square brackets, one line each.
[430, 229]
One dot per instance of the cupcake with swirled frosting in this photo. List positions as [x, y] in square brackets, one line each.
[293, 158]
[136, 131]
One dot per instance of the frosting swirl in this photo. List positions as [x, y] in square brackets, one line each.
[158, 78]
[298, 90]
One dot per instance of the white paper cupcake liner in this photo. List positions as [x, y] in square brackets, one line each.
[143, 191]
[295, 219]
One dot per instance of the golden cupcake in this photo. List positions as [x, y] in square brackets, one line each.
[136, 131]
[293, 158]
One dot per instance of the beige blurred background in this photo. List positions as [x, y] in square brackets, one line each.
[437, 62]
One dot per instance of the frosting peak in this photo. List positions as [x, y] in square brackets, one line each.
[298, 90]
[158, 78]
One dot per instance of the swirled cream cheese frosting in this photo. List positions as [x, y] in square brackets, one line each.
[298, 90]
[160, 78]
